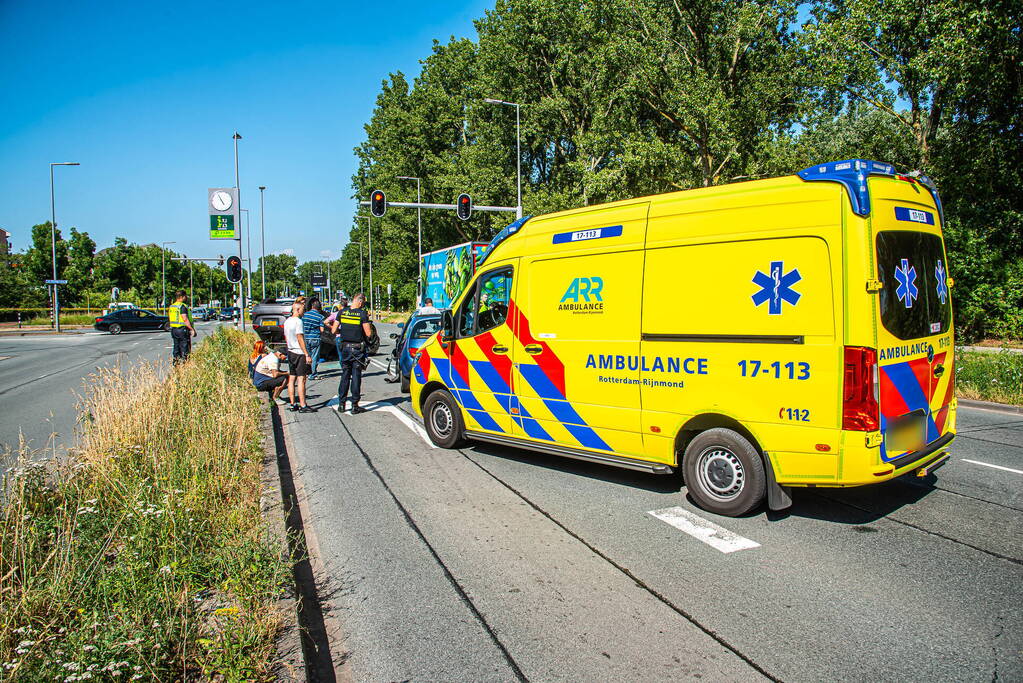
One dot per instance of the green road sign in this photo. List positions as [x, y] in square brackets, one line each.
[222, 227]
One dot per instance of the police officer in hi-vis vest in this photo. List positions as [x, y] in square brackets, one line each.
[353, 330]
[181, 327]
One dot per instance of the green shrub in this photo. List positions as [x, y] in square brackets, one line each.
[144, 556]
[990, 376]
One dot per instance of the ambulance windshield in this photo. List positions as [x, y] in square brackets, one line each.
[915, 299]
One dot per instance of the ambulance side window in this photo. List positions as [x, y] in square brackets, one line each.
[467, 315]
[493, 296]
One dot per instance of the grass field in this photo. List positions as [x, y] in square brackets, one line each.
[990, 376]
[145, 556]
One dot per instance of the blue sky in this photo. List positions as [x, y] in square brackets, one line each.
[146, 97]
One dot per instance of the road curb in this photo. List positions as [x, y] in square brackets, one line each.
[291, 665]
[990, 405]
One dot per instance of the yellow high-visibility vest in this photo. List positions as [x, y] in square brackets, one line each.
[178, 315]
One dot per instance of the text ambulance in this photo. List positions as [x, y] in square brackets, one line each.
[788, 332]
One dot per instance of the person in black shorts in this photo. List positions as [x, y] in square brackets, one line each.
[298, 360]
[353, 330]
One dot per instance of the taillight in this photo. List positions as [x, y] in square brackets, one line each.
[98, 319]
[860, 411]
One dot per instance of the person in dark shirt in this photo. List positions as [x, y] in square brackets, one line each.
[353, 330]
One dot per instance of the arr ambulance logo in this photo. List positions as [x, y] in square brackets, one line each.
[583, 296]
[776, 287]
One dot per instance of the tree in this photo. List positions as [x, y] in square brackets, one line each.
[81, 261]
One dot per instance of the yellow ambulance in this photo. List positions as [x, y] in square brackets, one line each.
[795, 331]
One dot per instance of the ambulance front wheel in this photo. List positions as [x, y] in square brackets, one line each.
[724, 472]
[443, 420]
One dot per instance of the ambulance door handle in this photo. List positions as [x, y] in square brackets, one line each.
[499, 349]
[939, 370]
[534, 349]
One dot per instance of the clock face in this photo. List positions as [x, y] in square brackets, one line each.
[221, 200]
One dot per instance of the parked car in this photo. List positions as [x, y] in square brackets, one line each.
[210, 313]
[229, 313]
[412, 334]
[200, 313]
[268, 321]
[130, 320]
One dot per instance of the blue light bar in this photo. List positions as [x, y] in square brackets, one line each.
[853, 174]
[507, 232]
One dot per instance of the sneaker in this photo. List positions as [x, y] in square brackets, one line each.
[307, 409]
[294, 407]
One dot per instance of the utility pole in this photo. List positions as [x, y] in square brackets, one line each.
[53, 242]
[163, 272]
[262, 237]
[419, 223]
[237, 185]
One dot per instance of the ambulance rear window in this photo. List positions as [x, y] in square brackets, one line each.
[914, 300]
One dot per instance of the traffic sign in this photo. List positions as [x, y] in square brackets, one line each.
[223, 208]
[56, 282]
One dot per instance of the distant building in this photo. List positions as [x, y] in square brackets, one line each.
[5, 242]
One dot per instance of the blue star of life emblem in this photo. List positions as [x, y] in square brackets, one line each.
[942, 286]
[907, 291]
[776, 287]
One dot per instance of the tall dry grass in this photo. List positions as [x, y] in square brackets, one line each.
[143, 555]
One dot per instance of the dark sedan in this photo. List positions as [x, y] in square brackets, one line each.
[131, 320]
[229, 313]
[412, 335]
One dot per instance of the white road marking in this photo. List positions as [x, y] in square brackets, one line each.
[393, 410]
[4, 357]
[997, 467]
[704, 530]
[379, 365]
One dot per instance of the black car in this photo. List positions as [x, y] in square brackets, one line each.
[229, 313]
[131, 320]
[268, 321]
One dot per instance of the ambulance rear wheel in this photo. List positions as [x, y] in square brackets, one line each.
[724, 472]
[443, 420]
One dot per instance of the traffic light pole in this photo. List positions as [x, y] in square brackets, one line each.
[447, 207]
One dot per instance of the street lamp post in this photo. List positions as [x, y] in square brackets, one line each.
[518, 152]
[163, 273]
[248, 248]
[262, 237]
[241, 289]
[191, 284]
[419, 223]
[53, 241]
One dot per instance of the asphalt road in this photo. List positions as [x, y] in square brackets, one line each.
[489, 563]
[42, 376]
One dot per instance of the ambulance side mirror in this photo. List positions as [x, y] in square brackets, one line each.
[447, 326]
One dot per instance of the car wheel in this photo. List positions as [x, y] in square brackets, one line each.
[374, 344]
[724, 472]
[443, 419]
[406, 384]
[115, 328]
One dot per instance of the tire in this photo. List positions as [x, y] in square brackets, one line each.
[115, 328]
[374, 344]
[406, 383]
[443, 419]
[724, 472]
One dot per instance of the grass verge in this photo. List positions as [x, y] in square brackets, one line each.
[990, 376]
[143, 555]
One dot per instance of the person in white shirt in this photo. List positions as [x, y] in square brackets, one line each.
[428, 308]
[299, 360]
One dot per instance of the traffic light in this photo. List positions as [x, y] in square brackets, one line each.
[463, 206]
[234, 269]
[377, 203]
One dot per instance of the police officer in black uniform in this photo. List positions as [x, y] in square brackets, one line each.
[353, 328]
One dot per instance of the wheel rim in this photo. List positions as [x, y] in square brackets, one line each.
[442, 419]
[721, 473]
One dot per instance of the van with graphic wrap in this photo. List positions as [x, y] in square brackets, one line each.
[760, 336]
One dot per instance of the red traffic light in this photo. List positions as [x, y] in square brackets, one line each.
[234, 269]
[463, 206]
[377, 203]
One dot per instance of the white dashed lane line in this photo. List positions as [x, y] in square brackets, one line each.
[997, 467]
[704, 530]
